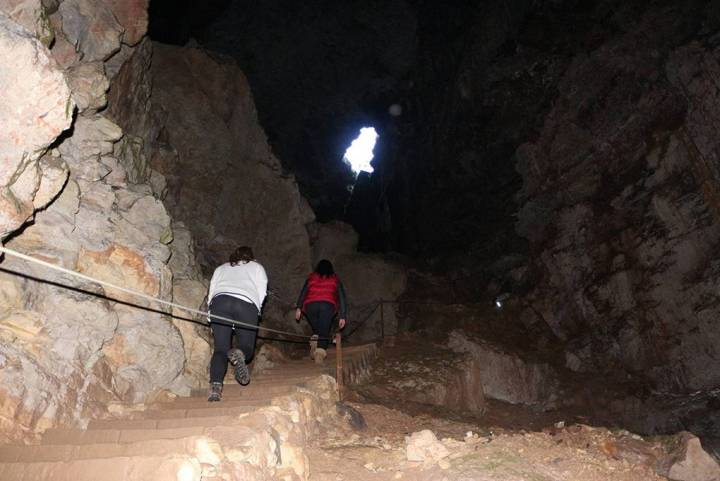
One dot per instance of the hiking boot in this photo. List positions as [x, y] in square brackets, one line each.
[320, 355]
[215, 391]
[242, 373]
[313, 345]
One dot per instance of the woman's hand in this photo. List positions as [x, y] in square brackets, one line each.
[298, 314]
[341, 323]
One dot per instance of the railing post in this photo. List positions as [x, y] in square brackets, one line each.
[382, 320]
[339, 365]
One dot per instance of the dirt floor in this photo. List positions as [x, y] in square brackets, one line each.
[471, 452]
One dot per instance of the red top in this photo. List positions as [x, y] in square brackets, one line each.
[322, 289]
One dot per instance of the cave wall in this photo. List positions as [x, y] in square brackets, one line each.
[564, 151]
[76, 193]
[619, 203]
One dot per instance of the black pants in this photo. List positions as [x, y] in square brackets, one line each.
[321, 314]
[239, 310]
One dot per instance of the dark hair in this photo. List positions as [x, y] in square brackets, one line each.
[325, 268]
[242, 254]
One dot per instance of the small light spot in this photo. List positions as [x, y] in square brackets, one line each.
[187, 472]
[395, 110]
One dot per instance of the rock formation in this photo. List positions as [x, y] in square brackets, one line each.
[418, 371]
[79, 199]
[505, 376]
[620, 207]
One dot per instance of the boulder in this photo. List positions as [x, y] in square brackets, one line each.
[417, 371]
[688, 461]
[504, 375]
[38, 108]
[423, 446]
[89, 86]
[91, 26]
[223, 181]
[133, 16]
[33, 16]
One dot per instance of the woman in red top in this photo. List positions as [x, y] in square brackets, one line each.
[322, 296]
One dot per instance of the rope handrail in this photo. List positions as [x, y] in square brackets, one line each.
[232, 322]
[147, 297]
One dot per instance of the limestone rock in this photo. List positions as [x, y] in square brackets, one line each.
[626, 284]
[91, 26]
[32, 15]
[183, 262]
[92, 138]
[27, 184]
[121, 266]
[196, 337]
[267, 356]
[53, 178]
[689, 462]
[147, 353]
[130, 72]
[130, 152]
[68, 348]
[89, 86]
[424, 447]
[417, 371]
[133, 16]
[37, 110]
[214, 134]
[505, 376]
[63, 50]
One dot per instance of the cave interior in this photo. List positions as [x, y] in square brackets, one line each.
[513, 158]
[543, 199]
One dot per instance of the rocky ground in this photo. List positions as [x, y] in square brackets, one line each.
[399, 446]
[491, 427]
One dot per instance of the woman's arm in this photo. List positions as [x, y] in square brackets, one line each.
[301, 297]
[343, 303]
[262, 282]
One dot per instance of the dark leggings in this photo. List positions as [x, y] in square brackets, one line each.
[320, 314]
[239, 310]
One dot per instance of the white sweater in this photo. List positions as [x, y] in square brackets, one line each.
[245, 280]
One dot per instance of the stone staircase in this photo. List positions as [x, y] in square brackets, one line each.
[255, 432]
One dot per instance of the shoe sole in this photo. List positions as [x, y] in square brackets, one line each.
[237, 359]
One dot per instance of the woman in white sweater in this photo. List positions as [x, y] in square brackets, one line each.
[237, 291]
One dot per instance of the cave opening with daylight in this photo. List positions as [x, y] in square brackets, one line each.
[360, 152]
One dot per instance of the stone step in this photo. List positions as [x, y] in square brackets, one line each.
[122, 424]
[275, 388]
[136, 468]
[73, 452]
[104, 436]
[205, 410]
[202, 403]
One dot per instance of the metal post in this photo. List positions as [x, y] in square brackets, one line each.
[382, 320]
[339, 365]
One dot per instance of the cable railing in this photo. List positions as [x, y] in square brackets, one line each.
[353, 326]
[140, 295]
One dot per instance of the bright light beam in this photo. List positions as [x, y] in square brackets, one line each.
[360, 152]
